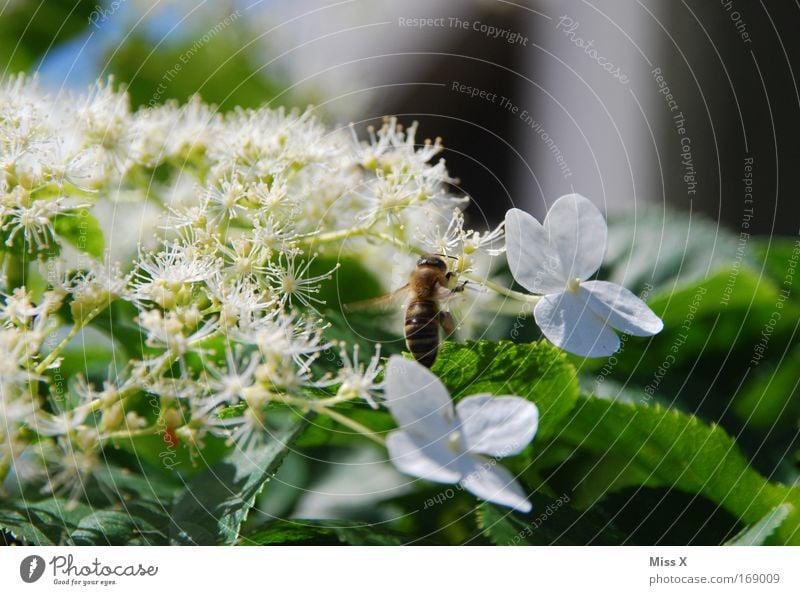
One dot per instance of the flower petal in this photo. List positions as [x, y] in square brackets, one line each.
[532, 261]
[427, 461]
[417, 399]
[577, 232]
[568, 322]
[493, 483]
[622, 309]
[497, 426]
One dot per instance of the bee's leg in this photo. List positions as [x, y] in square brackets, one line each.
[458, 288]
[447, 322]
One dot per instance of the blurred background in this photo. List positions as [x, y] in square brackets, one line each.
[637, 103]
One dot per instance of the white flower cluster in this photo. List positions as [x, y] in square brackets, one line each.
[225, 306]
[251, 202]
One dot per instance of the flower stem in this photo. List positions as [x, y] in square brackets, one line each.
[5, 467]
[335, 236]
[15, 272]
[397, 242]
[148, 431]
[347, 422]
[516, 295]
[73, 332]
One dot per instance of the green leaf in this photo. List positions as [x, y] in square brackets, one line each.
[117, 323]
[758, 533]
[213, 507]
[639, 444]
[322, 532]
[732, 307]
[46, 522]
[112, 527]
[126, 508]
[538, 372]
[772, 394]
[665, 250]
[282, 494]
[552, 522]
[350, 282]
[777, 255]
[206, 68]
[29, 30]
[90, 353]
[82, 230]
[146, 495]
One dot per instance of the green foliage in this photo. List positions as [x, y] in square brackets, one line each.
[215, 67]
[759, 532]
[552, 522]
[82, 230]
[665, 251]
[539, 372]
[616, 444]
[48, 522]
[774, 255]
[112, 527]
[58, 522]
[350, 281]
[29, 29]
[707, 317]
[771, 396]
[322, 532]
[213, 507]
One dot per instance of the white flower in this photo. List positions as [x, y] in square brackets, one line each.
[165, 277]
[70, 466]
[47, 424]
[358, 379]
[35, 220]
[97, 288]
[227, 196]
[171, 332]
[444, 444]
[241, 301]
[293, 283]
[392, 146]
[556, 259]
[229, 382]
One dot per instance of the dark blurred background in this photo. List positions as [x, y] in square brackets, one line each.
[581, 82]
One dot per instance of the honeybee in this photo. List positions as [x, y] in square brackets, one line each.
[428, 285]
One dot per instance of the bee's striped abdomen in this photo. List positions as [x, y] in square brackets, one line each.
[422, 331]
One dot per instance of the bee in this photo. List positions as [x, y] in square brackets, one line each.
[429, 284]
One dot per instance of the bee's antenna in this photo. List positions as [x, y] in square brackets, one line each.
[446, 256]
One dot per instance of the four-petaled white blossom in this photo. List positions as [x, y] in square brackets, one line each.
[555, 259]
[460, 444]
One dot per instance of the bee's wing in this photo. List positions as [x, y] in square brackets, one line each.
[382, 303]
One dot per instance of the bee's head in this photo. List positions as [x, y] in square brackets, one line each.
[432, 260]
